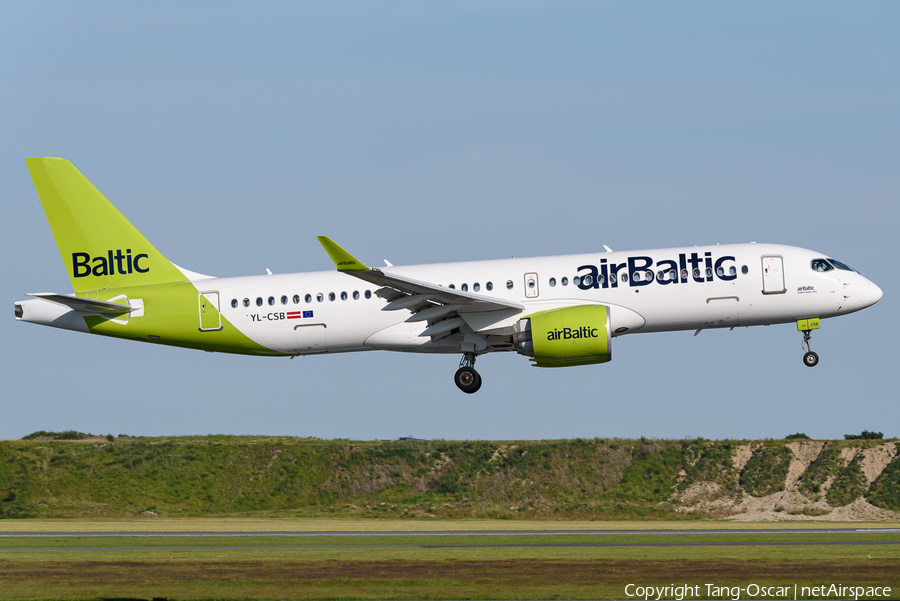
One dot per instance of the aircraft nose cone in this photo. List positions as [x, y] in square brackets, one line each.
[875, 293]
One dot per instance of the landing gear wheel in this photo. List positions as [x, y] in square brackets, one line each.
[467, 380]
[810, 359]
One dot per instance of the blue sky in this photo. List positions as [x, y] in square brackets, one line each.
[231, 134]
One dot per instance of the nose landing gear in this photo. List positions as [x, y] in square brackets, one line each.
[810, 359]
[466, 378]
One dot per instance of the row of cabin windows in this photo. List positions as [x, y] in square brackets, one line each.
[320, 297]
[661, 276]
[476, 287]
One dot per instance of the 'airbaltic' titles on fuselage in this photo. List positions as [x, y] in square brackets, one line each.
[641, 271]
[111, 264]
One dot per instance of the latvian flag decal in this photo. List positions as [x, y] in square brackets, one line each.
[299, 314]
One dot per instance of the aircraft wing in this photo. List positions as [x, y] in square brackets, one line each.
[428, 302]
[85, 305]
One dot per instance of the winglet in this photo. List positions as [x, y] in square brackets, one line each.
[343, 260]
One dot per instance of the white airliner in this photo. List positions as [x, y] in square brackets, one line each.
[558, 311]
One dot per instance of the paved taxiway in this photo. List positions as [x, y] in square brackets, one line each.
[509, 545]
[812, 532]
[306, 533]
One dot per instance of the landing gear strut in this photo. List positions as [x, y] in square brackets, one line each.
[466, 378]
[810, 359]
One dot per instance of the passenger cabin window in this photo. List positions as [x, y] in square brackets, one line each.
[296, 299]
[308, 298]
[552, 282]
[343, 296]
[234, 303]
[246, 302]
[745, 270]
[476, 286]
[356, 295]
[284, 300]
[331, 296]
[509, 284]
[320, 297]
[259, 301]
[368, 294]
[465, 287]
[565, 281]
[489, 285]
[271, 300]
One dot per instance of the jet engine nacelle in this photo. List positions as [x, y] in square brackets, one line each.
[565, 337]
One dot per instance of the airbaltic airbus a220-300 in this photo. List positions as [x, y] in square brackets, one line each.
[558, 311]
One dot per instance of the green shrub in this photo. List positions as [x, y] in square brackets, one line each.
[705, 461]
[826, 464]
[865, 435]
[849, 485]
[66, 435]
[797, 436]
[885, 491]
[766, 471]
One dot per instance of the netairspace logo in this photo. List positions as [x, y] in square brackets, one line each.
[755, 591]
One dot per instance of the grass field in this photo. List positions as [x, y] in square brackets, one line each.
[432, 574]
[421, 573]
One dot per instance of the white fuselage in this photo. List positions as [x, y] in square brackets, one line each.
[725, 286]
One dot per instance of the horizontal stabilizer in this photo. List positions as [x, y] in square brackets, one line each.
[85, 305]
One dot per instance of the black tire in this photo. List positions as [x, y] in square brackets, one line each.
[810, 359]
[467, 379]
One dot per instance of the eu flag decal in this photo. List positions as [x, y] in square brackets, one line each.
[307, 314]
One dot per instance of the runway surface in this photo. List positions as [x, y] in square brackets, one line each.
[510, 545]
[812, 532]
[691, 531]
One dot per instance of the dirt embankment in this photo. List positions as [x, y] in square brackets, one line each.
[559, 479]
[816, 468]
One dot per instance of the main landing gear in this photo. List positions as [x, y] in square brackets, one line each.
[466, 378]
[810, 359]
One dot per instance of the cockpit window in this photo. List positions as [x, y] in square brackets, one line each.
[821, 265]
[840, 265]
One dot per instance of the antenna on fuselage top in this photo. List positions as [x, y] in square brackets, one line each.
[608, 249]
